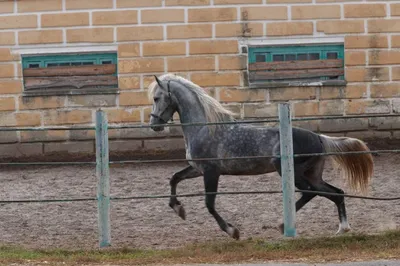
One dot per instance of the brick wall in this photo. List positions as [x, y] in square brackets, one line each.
[198, 39]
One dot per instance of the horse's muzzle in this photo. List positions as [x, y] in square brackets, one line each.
[157, 127]
[156, 122]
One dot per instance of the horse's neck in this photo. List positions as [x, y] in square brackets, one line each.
[190, 111]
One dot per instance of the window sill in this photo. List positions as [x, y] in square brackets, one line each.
[58, 92]
[322, 83]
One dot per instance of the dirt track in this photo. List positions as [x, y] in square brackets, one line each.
[152, 224]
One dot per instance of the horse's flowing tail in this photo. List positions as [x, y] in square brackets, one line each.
[358, 168]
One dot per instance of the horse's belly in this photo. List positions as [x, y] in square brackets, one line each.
[247, 167]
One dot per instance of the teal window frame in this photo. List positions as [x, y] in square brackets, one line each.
[46, 61]
[321, 49]
[96, 59]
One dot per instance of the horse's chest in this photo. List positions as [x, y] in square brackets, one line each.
[189, 157]
[193, 153]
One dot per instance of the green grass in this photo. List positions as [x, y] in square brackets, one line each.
[348, 247]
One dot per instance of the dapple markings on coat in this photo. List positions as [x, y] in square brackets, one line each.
[171, 93]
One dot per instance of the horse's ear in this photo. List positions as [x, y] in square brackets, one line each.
[158, 82]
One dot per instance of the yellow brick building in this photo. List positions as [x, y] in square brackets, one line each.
[226, 46]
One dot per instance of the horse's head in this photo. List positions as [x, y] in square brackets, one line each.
[163, 105]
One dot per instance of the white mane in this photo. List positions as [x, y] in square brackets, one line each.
[214, 111]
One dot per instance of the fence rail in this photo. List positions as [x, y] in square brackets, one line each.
[203, 159]
[102, 164]
[254, 121]
[191, 195]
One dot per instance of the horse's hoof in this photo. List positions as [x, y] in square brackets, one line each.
[342, 231]
[178, 208]
[344, 227]
[282, 228]
[233, 232]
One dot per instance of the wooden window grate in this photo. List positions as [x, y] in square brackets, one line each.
[305, 64]
[70, 74]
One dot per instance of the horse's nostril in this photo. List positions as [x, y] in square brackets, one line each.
[157, 128]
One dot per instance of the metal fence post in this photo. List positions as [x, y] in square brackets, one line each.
[287, 165]
[103, 179]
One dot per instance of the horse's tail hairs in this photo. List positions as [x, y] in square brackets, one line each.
[358, 168]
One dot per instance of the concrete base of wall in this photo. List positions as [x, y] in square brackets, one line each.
[136, 149]
[86, 150]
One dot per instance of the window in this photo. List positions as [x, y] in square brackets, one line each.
[85, 73]
[277, 65]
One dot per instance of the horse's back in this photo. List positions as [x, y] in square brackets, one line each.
[258, 142]
[247, 141]
[250, 140]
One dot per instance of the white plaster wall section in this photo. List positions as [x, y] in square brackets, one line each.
[265, 29]
[39, 21]
[16, 74]
[186, 15]
[90, 19]
[341, 11]
[141, 49]
[292, 40]
[165, 64]
[142, 82]
[238, 15]
[213, 31]
[115, 35]
[365, 26]
[139, 17]
[368, 90]
[64, 33]
[58, 50]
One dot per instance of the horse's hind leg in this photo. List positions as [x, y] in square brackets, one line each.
[339, 201]
[300, 183]
[306, 197]
[314, 176]
[211, 179]
[316, 164]
[174, 203]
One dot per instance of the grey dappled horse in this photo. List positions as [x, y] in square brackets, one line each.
[171, 93]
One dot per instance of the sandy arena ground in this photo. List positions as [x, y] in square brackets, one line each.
[152, 224]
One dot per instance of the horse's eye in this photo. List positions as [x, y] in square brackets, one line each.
[156, 99]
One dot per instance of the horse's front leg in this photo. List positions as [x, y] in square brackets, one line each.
[211, 179]
[174, 203]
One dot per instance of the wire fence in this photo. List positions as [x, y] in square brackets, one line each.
[103, 163]
[254, 121]
[5, 129]
[204, 159]
[191, 195]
